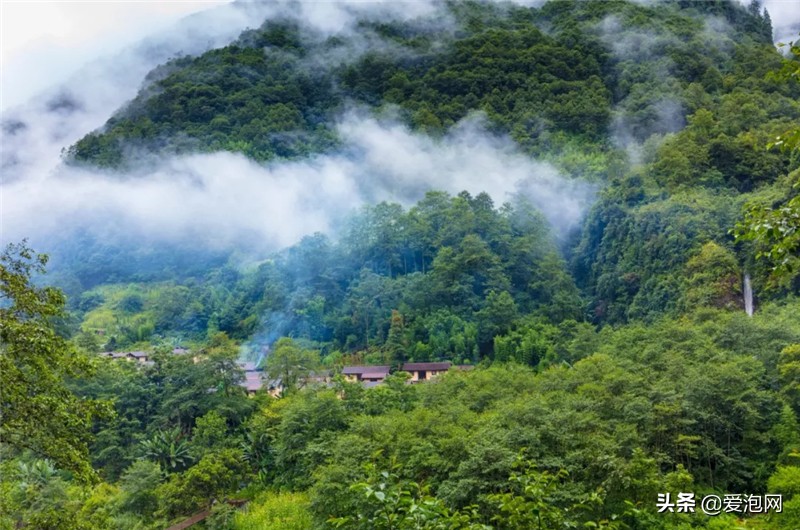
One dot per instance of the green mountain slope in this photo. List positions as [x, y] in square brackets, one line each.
[670, 105]
[545, 76]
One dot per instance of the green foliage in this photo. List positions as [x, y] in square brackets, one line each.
[790, 141]
[775, 228]
[306, 424]
[678, 405]
[713, 278]
[691, 104]
[215, 475]
[168, 450]
[39, 412]
[290, 363]
[190, 389]
[775, 232]
[276, 511]
[267, 101]
[437, 281]
[617, 360]
[210, 432]
[673, 406]
[537, 501]
[786, 482]
[129, 315]
[631, 258]
[42, 497]
[387, 502]
[265, 105]
[139, 483]
[789, 373]
[160, 404]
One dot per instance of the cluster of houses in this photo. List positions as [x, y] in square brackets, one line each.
[368, 376]
[255, 380]
[374, 375]
[139, 356]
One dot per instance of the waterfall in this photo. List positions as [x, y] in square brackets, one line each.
[748, 295]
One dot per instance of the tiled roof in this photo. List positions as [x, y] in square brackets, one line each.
[374, 375]
[427, 367]
[253, 385]
[356, 370]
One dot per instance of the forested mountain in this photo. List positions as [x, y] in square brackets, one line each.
[613, 357]
[670, 106]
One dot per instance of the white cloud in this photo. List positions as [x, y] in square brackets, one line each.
[222, 198]
[44, 42]
[785, 16]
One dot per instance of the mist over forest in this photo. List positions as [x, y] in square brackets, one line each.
[409, 265]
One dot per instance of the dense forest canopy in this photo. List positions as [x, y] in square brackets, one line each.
[669, 106]
[613, 359]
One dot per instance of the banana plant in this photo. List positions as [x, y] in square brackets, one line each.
[168, 449]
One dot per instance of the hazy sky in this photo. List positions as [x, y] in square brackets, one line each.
[785, 15]
[43, 42]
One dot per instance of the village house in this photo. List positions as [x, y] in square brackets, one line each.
[253, 377]
[425, 371]
[321, 377]
[274, 387]
[372, 374]
[139, 356]
[255, 380]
